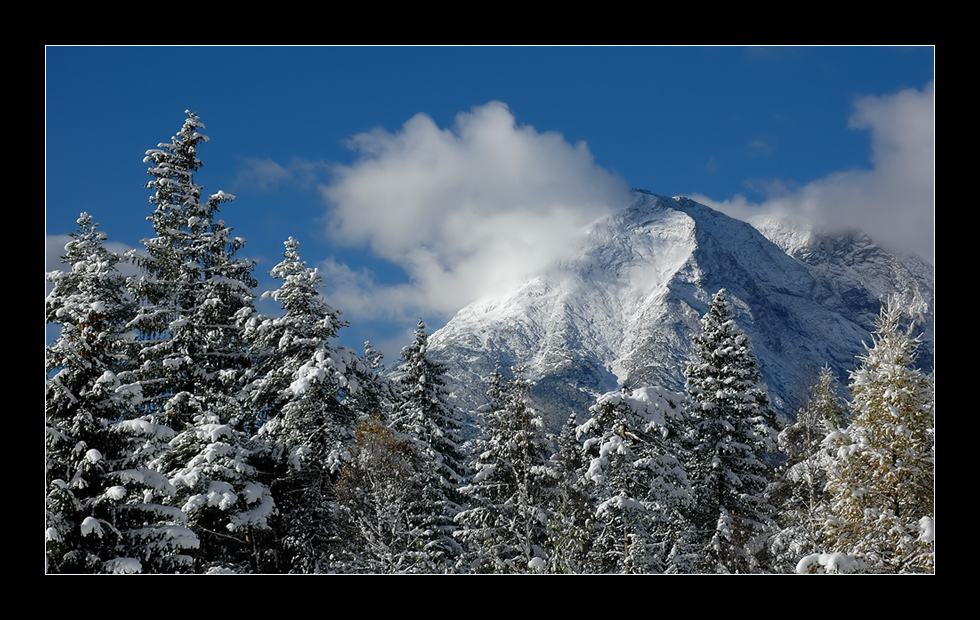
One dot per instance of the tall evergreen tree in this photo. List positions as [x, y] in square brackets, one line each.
[194, 291]
[424, 414]
[506, 518]
[571, 524]
[299, 384]
[103, 511]
[194, 296]
[641, 485]
[733, 434]
[882, 482]
[90, 305]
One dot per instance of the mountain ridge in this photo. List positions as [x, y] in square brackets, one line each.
[623, 307]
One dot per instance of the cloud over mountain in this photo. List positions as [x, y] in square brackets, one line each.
[465, 211]
[893, 200]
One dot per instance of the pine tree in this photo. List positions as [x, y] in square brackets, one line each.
[375, 396]
[217, 487]
[882, 482]
[195, 295]
[641, 485]
[194, 292]
[299, 384]
[424, 414]
[571, 525]
[733, 433]
[281, 346]
[90, 305]
[102, 503]
[511, 487]
[799, 488]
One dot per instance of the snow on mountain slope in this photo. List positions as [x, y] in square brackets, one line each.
[854, 274]
[623, 308]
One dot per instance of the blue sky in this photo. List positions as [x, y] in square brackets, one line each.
[421, 178]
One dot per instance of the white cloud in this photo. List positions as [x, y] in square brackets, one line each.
[894, 201]
[466, 212]
[267, 175]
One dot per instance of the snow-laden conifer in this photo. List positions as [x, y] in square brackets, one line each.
[194, 291]
[424, 414]
[300, 384]
[571, 522]
[217, 487]
[505, 522]
[194, 296]
[639, 485]
[732, 434]
[103, 503]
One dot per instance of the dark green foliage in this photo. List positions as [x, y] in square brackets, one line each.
[733, 435]
[512, 487]
[423, 413]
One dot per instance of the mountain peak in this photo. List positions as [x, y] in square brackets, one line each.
[622, 308]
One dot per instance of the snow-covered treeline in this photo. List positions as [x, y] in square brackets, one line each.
[187, 433]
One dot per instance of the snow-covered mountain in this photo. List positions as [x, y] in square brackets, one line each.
[624, 307]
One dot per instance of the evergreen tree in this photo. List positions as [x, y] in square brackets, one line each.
[801, 479]
[511, 487]
[194, 292]
[882, 482]
[424, 414]
[732, 432]
[195, 295]
[102, 501]
[571, 525]
[300, 385]
[641, 485]
[285, 348]
[90, 305]
[375, 396]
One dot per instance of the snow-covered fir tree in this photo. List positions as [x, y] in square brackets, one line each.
[799, 488]
[102, 504]
[90, 366]
[640, 486]
[299, 384]
[425, 414]
[284, 348]
[376, 395]
[571, 520]
[227, 506]
[194, 296]
[505, 523]
[882, 480]
[732, 428]
[194, 290]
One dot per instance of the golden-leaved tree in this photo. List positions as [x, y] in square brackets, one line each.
[882, 482]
